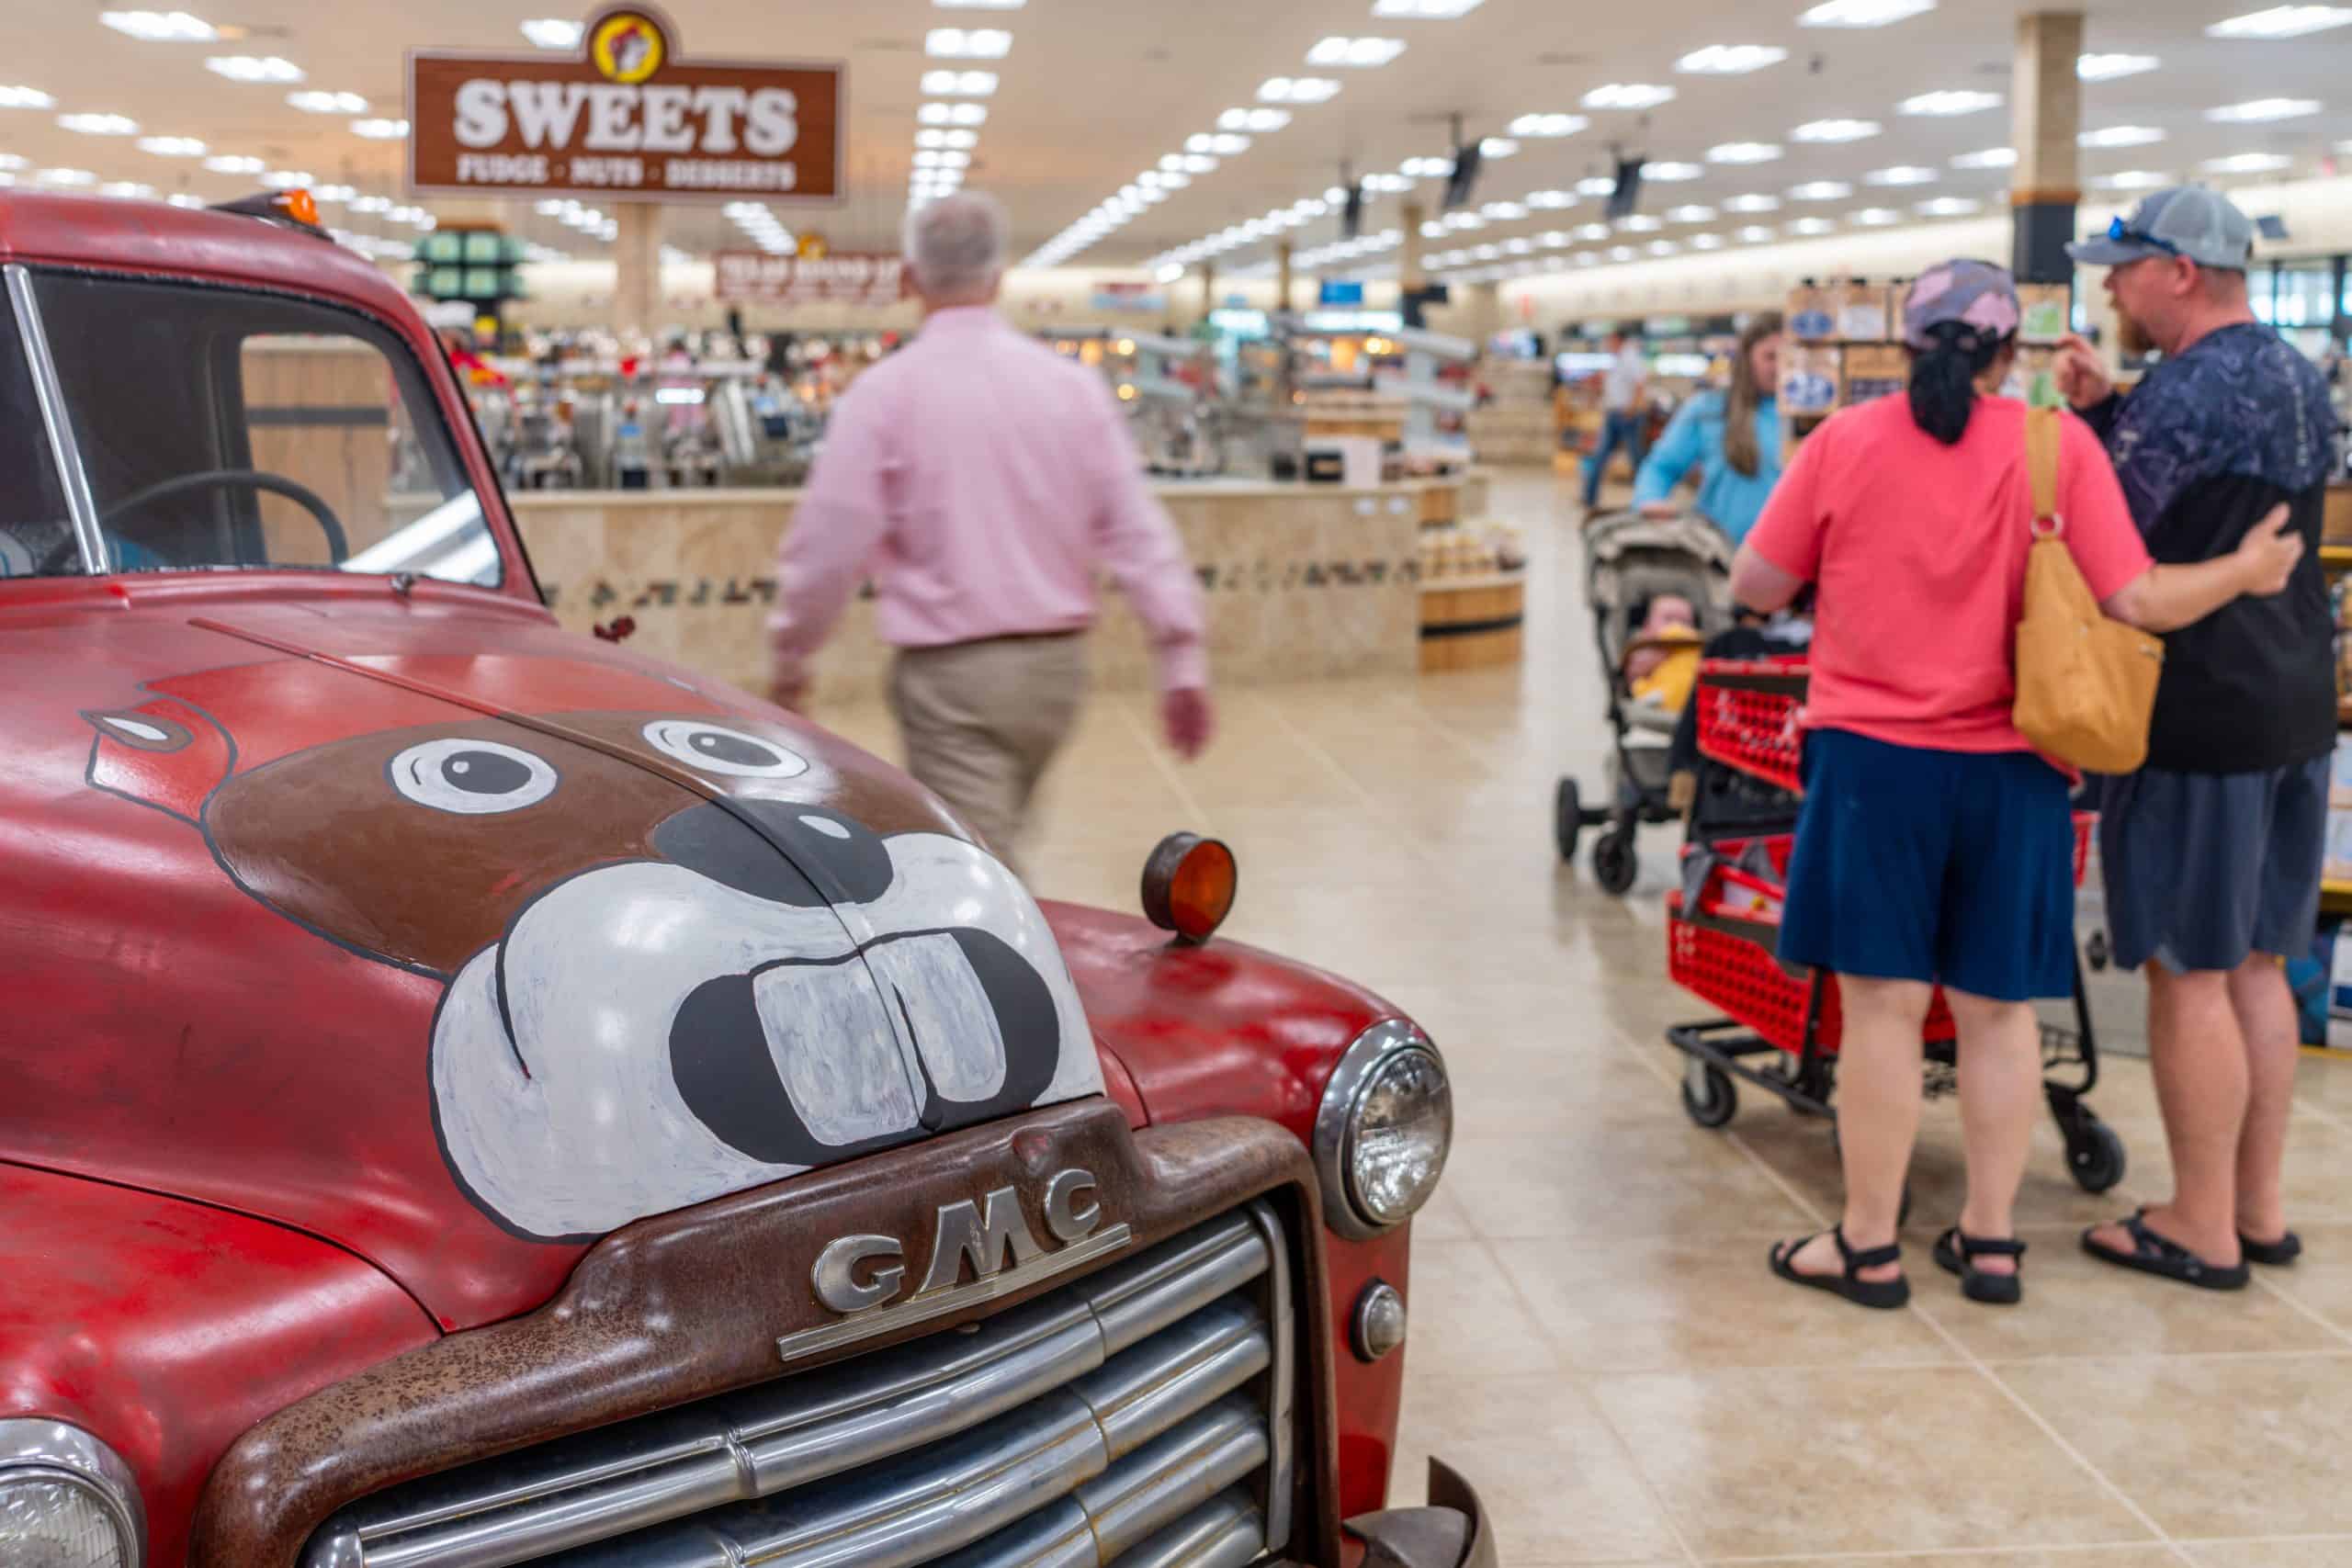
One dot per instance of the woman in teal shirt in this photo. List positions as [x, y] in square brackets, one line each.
[1733, 438]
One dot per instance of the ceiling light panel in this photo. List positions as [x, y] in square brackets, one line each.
[66, 178]
[1949, 103]
[1426, 10]
[1811, 226]
[1877, 217]
[1355, 53]
[1990, 158]
[312, 101]
[967, 43]
[979, 4]
[1297, 90]
[1826, 131]
[1629, 96]
[380, 129]
[2249, 164]
[1595, 184]
[1672, 174]
[289, 179]
[1949, 206]
[958, 83]
[2132, 179]
[1640, 223]
[253, 68]
[1550, 200]
[1730, 59]
[1693, 214]
[1752, 204]
[1744, 152]
[98, 124]
[2108, 67]
[130, 189]
[234, 163]
[2257, 110]
[1821, 190]
[161, 27]
[25, 98]
[1548, 126]
[1497, 147]
[1260, 121]
[172, 146]
[2281, 22]
[552, 32]
[1591, 233]
[2121, 136]
[1756, 233]
[1902, 175]
[1863, 13]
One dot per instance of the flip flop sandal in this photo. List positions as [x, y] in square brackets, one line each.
[1957, 1252]
[2166, 1259]
[2271, 1253]
[1881, 1295]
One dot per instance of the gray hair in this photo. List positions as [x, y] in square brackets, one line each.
[956, 244]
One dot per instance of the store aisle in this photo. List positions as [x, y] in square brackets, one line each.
[1595, 1338]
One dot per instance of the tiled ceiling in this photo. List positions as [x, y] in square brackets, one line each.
[1094, 91]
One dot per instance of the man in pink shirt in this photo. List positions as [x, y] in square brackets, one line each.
[982, 479]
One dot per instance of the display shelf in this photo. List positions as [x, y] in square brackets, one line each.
[2335, 557]
[1483, 580]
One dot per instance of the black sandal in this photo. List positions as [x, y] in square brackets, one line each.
[2166, 1259]
[2271, 1253]
[1957, 1252]
[1882, 1295]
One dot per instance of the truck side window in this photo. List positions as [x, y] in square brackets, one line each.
[35, 531]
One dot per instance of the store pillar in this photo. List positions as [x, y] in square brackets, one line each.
[2046, 115]
[1410, 272]
[1282, 249]
[636, 269]
[1208, 289]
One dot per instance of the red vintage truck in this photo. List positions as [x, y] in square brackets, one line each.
[472, 1097]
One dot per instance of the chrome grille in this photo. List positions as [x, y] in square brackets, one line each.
[1141, 1415]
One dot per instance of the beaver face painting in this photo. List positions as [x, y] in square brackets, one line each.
[684, 953]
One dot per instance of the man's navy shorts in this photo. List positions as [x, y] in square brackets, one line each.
[1950, 867]
[2206, 870]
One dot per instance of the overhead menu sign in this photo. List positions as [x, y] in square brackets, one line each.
[755, 278]
[627, 118]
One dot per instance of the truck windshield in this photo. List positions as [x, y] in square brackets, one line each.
[222, 428]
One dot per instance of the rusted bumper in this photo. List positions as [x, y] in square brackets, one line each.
[1452, 1532]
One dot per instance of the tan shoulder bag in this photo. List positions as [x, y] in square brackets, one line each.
[2086, 686]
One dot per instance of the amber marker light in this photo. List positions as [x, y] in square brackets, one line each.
[298, 206]
[1188, 886]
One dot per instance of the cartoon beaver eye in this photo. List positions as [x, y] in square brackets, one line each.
[471, 778]
[716, 750]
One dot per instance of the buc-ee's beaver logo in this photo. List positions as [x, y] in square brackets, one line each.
[682, 952]
[627, 47]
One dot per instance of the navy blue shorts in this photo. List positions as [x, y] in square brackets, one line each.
[1952, 867]
[2206, 870]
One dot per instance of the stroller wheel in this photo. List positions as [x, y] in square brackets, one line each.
[1567, 818]
[1615, 864]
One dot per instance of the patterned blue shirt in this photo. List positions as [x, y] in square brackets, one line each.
[2239, 402]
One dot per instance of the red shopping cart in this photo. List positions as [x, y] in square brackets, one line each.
[1722, 930]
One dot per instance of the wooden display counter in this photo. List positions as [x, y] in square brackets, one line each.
[1301, 581]
[1472, 623]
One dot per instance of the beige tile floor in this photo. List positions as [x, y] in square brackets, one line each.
[1596, 1341]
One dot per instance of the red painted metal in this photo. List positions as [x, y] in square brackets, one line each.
[219, 1166]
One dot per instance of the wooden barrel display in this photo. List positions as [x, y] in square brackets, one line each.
[1472, 623]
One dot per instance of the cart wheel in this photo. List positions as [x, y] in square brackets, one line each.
[1708, 1094]
[1614, 861]
[1567, 818]
[2094, 1153]
[2096, 953]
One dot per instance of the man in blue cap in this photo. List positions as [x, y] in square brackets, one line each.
[2212, 852]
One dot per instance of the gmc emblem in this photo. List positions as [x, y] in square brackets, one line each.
[863, 1277]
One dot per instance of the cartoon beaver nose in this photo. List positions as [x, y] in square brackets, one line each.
[827, 858]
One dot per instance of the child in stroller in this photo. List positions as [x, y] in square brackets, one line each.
[1658, 587]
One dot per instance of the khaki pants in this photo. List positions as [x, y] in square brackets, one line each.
[981, 720]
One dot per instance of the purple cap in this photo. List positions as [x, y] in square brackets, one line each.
[1972, 293]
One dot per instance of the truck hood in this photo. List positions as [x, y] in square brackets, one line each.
[458, 941]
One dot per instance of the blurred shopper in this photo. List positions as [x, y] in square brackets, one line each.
[1935, 847]
[1732, 437]
[1624, 412]
[983, 480]
[2212, 851]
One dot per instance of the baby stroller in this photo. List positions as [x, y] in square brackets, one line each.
[1631, 560]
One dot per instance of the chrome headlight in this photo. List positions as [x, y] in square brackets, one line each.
[1382, 1132]
[66, 1500]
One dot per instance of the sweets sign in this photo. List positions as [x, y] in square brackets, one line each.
[755, 277]
[627, 118]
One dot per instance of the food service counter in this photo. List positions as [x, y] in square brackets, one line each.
[1301, 581]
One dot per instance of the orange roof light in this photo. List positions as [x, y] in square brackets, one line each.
[298, 206]
[1189, 884]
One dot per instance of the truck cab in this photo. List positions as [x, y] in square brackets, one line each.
[477, 1097]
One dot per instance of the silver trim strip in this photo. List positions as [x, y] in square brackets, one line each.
[1282, 1405]
[939, 1304]
[1173, 1475]
[56, 1450]
[1145, 1391]
[1222, 1533]
[1132, 1300]
[50, 393]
